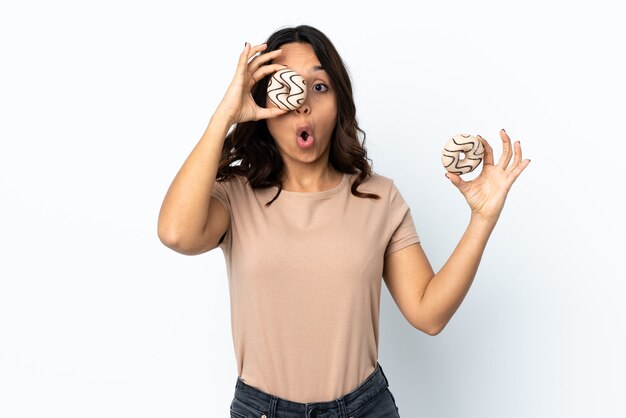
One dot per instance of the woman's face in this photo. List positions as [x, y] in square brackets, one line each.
[318, 112]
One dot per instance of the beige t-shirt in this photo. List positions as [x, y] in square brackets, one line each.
[304, 278]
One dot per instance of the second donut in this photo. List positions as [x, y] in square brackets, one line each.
[466, 144]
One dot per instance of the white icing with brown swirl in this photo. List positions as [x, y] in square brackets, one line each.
[287, 89]
[466, 144]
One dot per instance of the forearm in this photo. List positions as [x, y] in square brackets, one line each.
[447, 289]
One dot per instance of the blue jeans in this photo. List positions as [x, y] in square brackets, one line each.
[372, 399]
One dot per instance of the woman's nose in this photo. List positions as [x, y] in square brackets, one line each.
[305, 108]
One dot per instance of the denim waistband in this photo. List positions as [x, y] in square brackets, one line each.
[270, 405]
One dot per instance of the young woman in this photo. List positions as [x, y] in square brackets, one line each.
[308, 231]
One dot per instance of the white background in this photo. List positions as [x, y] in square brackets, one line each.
[101, 102]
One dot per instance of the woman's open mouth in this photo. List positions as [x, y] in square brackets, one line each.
[305, 137]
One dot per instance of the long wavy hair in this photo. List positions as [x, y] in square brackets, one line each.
[251, 143]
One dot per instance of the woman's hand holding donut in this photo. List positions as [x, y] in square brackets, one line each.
[238, 105]
[487, 193]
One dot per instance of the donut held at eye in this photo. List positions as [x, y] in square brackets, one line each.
[470, 146]
[287, 89]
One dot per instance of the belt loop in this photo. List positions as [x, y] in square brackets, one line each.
[343, 411]
[272, 410]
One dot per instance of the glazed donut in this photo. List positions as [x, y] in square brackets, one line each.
[287, 89]
[471, 146]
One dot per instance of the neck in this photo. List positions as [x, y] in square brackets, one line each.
[311, 179]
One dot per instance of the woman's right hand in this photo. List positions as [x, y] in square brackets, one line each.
[238, 105]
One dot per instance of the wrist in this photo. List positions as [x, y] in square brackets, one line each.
[217, 129]
[479, 220]
[220, 122]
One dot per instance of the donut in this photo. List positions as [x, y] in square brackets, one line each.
[471, 146]
[287, 89]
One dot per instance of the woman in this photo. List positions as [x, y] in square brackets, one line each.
[308, 230]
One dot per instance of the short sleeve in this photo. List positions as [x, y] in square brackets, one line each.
[220, 192]
[401, 223]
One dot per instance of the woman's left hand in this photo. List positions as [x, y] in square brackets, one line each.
[486, 193]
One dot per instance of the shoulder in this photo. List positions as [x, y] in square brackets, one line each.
[233, 182]
[238, 188]
[377, 183]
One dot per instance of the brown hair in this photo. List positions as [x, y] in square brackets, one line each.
[252, 144]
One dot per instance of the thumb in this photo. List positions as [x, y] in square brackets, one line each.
[265, 113]
[277, 112]
[455, 179]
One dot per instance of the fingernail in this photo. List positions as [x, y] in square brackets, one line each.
[503, 130]
[246, 44]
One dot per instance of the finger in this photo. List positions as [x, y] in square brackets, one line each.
[518, 156]
[519, 168]
[243, 58]
[264, 113]
[456, 180]
[520, 164]
[506, 150]
[488, 158]
[263, 58]
[265, 70]
[255, 50]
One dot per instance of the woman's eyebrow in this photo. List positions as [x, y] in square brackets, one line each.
[317, 68]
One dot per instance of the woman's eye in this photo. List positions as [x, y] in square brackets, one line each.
[324, 87]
